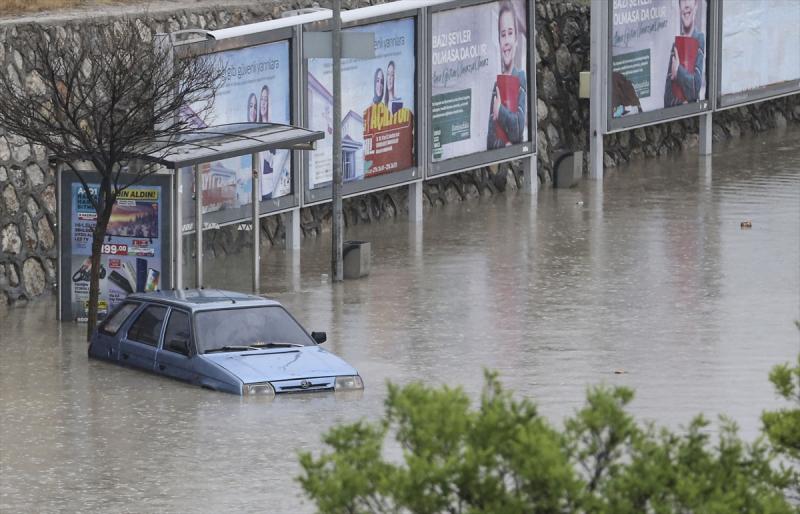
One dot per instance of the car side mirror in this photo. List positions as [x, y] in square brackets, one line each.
[319, 337]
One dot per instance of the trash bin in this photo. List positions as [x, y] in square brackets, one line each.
[356, 259]
[568, 169]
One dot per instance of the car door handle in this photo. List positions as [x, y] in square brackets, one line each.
[162, 367]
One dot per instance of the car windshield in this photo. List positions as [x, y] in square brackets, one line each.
[246, 328]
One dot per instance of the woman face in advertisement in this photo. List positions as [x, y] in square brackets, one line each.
[507, 30]
[390, 94]
[263, 105]
[378, 86]
[252, 106]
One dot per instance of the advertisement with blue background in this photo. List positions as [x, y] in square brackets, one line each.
[256, 88]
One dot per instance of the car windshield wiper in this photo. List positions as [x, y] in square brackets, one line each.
[274, 344]
[232, 348]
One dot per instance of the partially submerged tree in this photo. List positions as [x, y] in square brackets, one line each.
[103, 100]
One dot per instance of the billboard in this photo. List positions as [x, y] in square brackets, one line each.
[378, 107]
[131, 259]
[658, 56]
[760, 48]
[479, 78]
[256, 88]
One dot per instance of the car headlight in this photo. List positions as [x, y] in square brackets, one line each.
[259, 389]
[348, 383]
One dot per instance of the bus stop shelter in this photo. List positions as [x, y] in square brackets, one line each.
[214, 144]
[151, 256]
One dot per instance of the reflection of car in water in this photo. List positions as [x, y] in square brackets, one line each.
[219, 186]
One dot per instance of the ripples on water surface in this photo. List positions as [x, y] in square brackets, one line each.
[650, 274]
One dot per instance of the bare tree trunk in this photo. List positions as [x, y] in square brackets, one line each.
[98, 236]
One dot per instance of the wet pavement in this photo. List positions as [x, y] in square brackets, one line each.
[648, 273]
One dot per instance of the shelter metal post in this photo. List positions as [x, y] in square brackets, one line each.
[177, 230]
[293, 229]
[198, 226]
[256, 228]
[597, 100]
[706, 133]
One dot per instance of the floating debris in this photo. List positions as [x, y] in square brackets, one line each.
[746, 224]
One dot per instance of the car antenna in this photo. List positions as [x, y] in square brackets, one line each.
[228, 297]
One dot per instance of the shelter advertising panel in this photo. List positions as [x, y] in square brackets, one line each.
[256, 88]
[479, 78]
[658, 58]
[133, 253]
[760, 49]
[378, 107]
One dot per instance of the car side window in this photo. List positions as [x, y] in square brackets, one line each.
[112, 324]
[177, 337]
[147, 327]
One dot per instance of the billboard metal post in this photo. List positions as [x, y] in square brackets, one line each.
[531, 180]
[706, 131]
[415, 202]
[597, 101]
[337, 222]
[177, 229]
[198, 226]
[256, 225]
[293, 229]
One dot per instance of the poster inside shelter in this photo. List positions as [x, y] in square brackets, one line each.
[378, 103]
[131, 253]
[658, 54]
[760, 44]
[479, 66]
[256, 88]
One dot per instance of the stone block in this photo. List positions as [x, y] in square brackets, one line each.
[33, 276]
[10, 242]
[10, 199]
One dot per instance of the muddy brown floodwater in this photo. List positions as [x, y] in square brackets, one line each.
[648, 272]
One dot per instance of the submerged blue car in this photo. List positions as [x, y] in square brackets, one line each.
[220, 340]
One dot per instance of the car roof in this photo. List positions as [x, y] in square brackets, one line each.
[203, 299]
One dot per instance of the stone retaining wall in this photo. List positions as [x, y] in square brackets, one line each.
[27, 188]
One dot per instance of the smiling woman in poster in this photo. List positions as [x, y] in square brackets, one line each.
[687, 59]
[507, 116]
[252, 107]
[263, 105]
[378, 95]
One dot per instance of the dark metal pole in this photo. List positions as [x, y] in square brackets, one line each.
[337, 221]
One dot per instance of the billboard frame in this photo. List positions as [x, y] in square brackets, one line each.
[731, 100]
[324, 194]
[525, 150]
[668, 114]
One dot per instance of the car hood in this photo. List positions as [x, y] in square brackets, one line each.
[281, 364]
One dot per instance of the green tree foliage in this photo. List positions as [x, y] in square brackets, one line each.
[782, 427]
[501, 456]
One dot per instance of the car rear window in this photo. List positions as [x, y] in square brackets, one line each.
[147, 327]
[112, 323]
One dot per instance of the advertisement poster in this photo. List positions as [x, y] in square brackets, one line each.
[131, 253]
[377, 107]
[760, 44]
[256, 89]
[479, 78]
[658, 54]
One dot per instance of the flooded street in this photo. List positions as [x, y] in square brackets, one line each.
[648, 273]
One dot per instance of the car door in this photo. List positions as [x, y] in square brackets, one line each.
[174, 358]
[138, 347]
